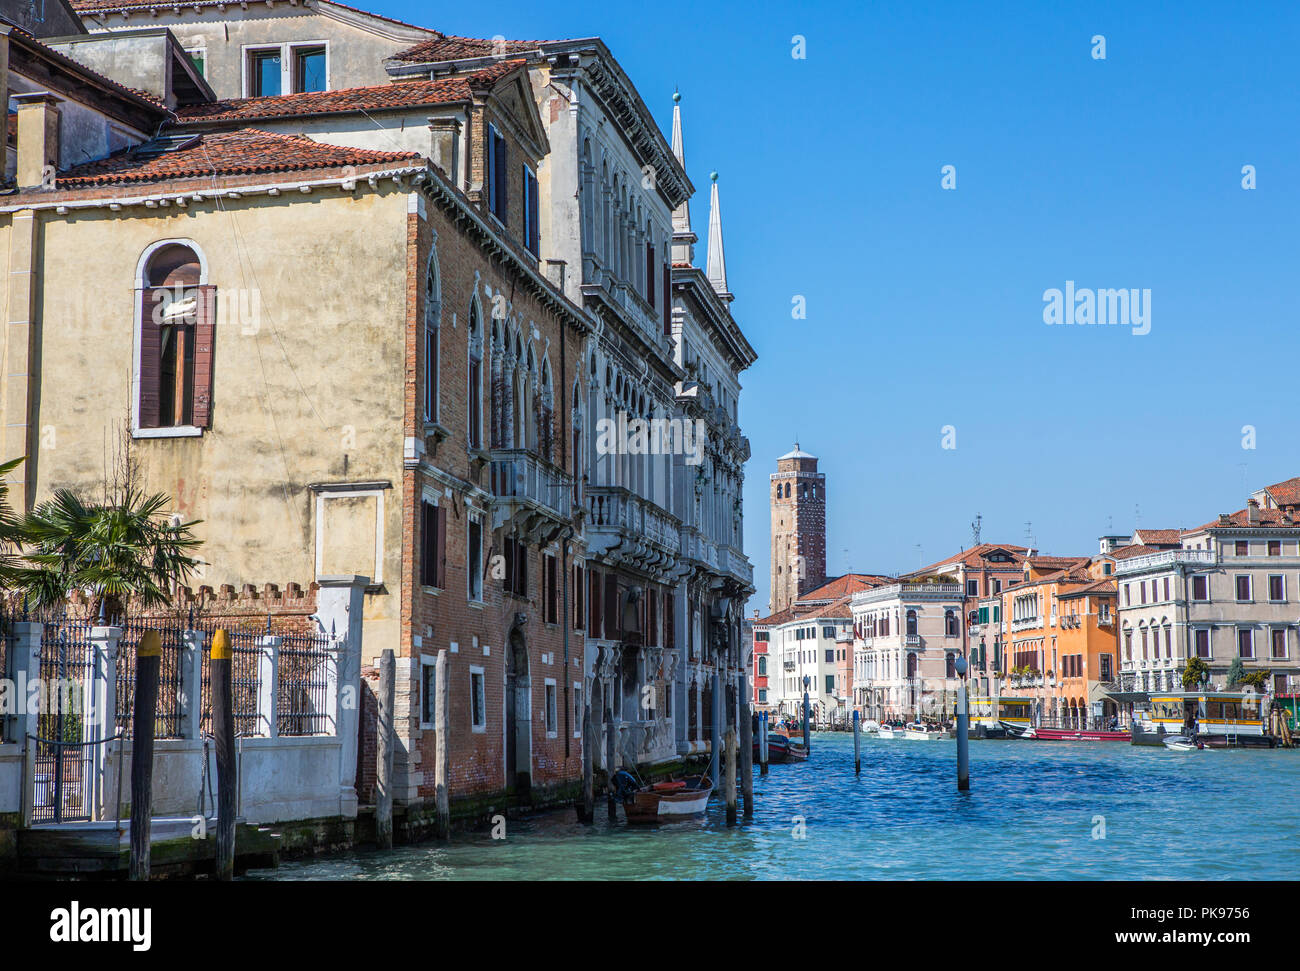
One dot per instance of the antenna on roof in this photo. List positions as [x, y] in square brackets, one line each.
[975, 528]
[1137, 515]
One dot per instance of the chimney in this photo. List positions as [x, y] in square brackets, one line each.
[444, 148]
[1252, 511]
[38, 137]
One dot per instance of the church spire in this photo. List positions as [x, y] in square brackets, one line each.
[717, 265]
[683, 238]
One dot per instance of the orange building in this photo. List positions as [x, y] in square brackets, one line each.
[1059, 642]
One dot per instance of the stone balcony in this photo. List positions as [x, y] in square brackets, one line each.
[1164, 559]
[533, 495]
[629, 528]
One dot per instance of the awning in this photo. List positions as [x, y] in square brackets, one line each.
[1128, 696]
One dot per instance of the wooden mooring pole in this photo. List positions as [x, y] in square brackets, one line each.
[587, 809]
[384, 751]
[762, 744]
[223, 731]
[746, 749]
[148, 660]
[857, 742]
[442, 764]
[609, 762]
[731, 777]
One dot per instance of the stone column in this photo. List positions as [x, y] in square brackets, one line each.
[339, 601]
[268, 685]
[191, 663]
[100, 718]
[25, 667]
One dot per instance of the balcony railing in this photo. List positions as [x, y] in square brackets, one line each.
[911, 640]
[525, 483]
[617, 517]
[1151, 561]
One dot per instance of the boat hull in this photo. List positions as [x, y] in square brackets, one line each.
[1080, 735]
[648, 806]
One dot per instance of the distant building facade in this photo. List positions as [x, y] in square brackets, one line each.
[798, 508]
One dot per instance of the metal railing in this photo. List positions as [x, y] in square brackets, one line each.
[303, 683]
[171, 685]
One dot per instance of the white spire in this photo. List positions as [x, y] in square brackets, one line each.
[683, 238]
[717, 266]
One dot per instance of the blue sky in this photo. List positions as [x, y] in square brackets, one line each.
[925, 306]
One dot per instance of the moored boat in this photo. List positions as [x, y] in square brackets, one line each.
[922, 732]
[889, 731]
[1182, 743]
[1215, 719]
[781, 748]
[1080, 735]
[668, 801]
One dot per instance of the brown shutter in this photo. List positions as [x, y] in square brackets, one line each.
[152, 301]
[204, 336]
[441, 552]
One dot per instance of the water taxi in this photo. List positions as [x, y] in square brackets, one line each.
[890, 731]
[923, 732]
[1007, 717]
[1218, 719]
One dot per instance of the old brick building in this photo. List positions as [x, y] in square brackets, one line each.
[798, 507]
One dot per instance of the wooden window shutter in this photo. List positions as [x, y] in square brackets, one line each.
[441, 550]
[426, 545]
[593, 602]
[204, 338]
[150, 363]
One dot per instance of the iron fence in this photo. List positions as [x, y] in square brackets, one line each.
[63, 762]
[245, 680]
[303, 685]
[169, 722]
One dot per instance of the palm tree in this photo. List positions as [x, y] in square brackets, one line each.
[113, 552]
[11, 528]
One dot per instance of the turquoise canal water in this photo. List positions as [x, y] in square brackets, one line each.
[1034, 811]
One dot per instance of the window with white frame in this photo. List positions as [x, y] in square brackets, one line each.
[1245, 642]
[277, 69]
[428, 691]
[477, 700]
[552, 720]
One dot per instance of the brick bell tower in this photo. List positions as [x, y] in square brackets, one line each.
[798, 500]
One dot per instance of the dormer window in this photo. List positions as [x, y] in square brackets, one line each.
[285, 69]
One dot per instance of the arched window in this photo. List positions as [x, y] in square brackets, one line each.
[544, 409]
[951, 666]
[474, 409]
[432, 322]
[950, 623]
[177, 313]
[911, 622]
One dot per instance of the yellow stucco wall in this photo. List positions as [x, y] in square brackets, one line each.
[309, 366]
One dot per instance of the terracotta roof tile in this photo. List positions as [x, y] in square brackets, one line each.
[974, 556]
[845, 585]
[1276, 518]
[241, 152]
[1285, 493]
[449, 47]
[1158, 537]
[380, 97]
[1133, 549]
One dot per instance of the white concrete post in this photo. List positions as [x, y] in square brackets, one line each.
[339, 601]
[25, 668]
[100, 721]
[268, 685]
[191, 662]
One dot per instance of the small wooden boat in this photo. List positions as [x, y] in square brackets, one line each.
[668, 801]
[781, 748]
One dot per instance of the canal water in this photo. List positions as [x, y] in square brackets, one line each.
[1049, 810]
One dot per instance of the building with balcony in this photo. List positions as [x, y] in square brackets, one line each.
[1227, 594]
[984, 570]
[807, 651]
[907, 638]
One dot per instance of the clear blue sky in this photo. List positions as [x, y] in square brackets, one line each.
[925, 306]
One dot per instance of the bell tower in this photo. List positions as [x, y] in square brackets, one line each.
[798, 500]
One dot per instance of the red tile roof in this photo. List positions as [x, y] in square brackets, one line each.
[246, 151]
[1276, 518]
[1158, 537]
[974, 557]
[1285, 493]
[449, 47]
[842, 586]
[380, 97]
[1100, 586]
[1133, 549]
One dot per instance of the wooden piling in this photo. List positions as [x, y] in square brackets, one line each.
[587, 808]
[715, 732]
[746, 749]
[762, 744]
[442, 763]
[609, 762]
[148, 661]
[220, 676]
[807, 727]
[857, 742]
[963, 736]
[384, 751]
[731, 777]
